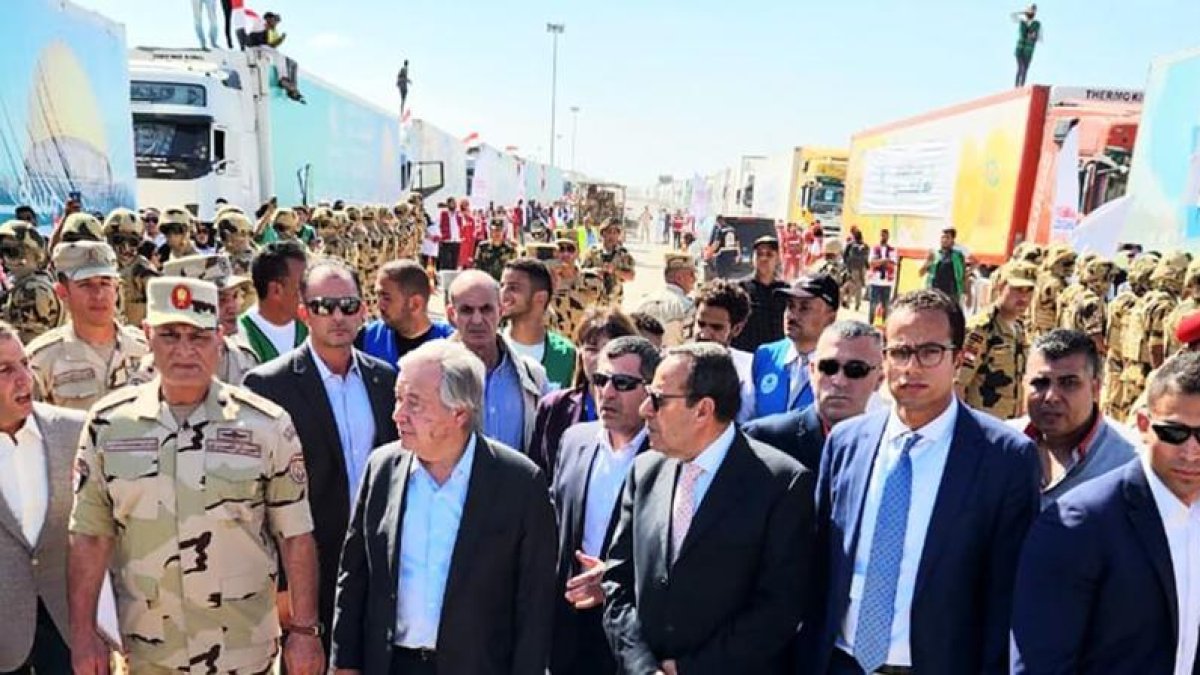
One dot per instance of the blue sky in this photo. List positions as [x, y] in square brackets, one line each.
[673, 87]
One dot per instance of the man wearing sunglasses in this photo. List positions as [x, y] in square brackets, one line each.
[340, 400]
[780, 368]
[1109, 580]
[922, 511]
[710, 555]
[125, 232]
[845, 371]
[1076, 441]
[593, 460]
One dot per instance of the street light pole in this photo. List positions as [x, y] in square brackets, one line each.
[555, 29]
[574, 129]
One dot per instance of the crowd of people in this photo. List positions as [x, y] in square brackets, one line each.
[256, 433]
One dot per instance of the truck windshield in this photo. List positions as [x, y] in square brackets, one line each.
[171, 149]
[826, 199]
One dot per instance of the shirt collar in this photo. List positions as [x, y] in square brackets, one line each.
[793, 354]
[712, 456]
[326, 373]
[29, 428]
[1084, 446]
[632, 446]
[462, 468]
[1170, 508]
[941, 426]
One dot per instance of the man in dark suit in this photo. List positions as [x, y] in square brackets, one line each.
[593, 460]
[845, 371]
[708, 561]
[448, 565]
[921, 511]
[1109, 580]
[35, 485]
[340, 400]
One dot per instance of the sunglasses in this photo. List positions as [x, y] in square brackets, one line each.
[619, 381]
[125, 240]
[1174, 433]
[172, 228]
[10, 251]
[657, 397]
[325, 306]
[854, 369]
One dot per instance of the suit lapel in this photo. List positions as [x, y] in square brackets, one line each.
[657, 525]
[723, 493]
[858, 475]
[1147, 522]
[304, 367]
[393, 514]
[579, 490]
[481, 502]
[379, 395]
[58, 462]
[958, 480]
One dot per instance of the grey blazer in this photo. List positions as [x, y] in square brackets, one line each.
[33, 570]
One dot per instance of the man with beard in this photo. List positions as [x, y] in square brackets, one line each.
[525, 288]
[780, 368]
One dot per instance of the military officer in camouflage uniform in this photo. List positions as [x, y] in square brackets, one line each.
[81, 227]
[91, 354]
[190, 491]
[995, 349]
[1058, 266]
[1142, 334]
[124, 231]
[572, 296]
[1066, 299]
[237, 232]
[833, 265]
[31, 305]
[1087, 309]
[493, 254]
[613, 261]
[1029, 252]
[1189, 303]
[176, 225]
[1114, 402]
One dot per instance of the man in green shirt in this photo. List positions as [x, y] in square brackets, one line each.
[1029, 33]
[526, 287]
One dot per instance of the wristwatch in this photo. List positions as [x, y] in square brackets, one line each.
[313, 630]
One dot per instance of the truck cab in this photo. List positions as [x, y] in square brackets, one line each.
[194, 128]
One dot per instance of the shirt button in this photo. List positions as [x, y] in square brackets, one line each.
[33, 561]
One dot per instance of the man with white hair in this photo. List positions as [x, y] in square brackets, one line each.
[474, 528]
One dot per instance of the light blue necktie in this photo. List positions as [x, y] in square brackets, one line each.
[874, 633]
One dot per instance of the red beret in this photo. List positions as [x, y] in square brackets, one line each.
[1188, 330]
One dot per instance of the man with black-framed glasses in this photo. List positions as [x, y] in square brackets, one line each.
[1109, 580]
[593, 460]
[340, 400]
[921, 511]
[845, 371]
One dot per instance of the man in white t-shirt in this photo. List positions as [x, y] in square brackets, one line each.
[881, 276]
[270, 326]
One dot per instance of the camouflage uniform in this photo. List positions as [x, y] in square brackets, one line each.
[1043, 311]
[1029, 252]
[621, 261]
[1087, 310]
[30, 305]
[1188, 305]
[194, 510]
[572, 298]
[491, 257]
[124, 229]
[68, 371]
[81, 227]
[173, 217]
[1067, 298]
[994, 354]
[1143, 333]
[1114, 402]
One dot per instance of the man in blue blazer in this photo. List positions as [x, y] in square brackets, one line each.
[780, 369]
[921, 511]
[846, 369]
[1104, 568]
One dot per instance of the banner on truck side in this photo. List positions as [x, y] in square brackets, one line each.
[910, 179]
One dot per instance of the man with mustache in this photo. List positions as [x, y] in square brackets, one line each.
[780, 368]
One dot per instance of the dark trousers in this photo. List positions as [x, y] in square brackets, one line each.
[878, 297]
[50, 655]
[1022, 68]
[411, 662]
[448, 255]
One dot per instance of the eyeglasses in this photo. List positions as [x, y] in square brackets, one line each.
[854, 369]
[125, 240]
[1175, 433]
[620, 381]
[928, 355]
[325, 306]
[657, 397]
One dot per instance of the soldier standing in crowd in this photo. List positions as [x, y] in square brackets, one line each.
[496, 251]
[91, 355]
[1087, 309]
[191, 490]
[995, 349]
[1058, 265]
[176, 225]
[574, 292]
[1066, 299]
[856, 257]
[237, 231]
[124, 231]
[1115, 402]
[1189, 303]
[614, 262]
[81, 227]
[31, 305]
[1029, 252]
[1142, 334]
[832, 265]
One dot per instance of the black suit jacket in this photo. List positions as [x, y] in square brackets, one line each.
[799, 433]
[499, 599]
[734, 596]
[293, 382]
[579, 642]
[986, 500]
[1095, 589]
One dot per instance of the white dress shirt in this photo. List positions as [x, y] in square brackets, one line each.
[1182, 525]
[798, 368]
[710, 460]
[23, 478]
[354, 416]
[743, 363]
[610, 466]
[432, 515]
[928, 464]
